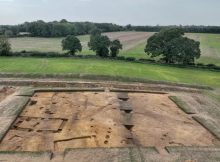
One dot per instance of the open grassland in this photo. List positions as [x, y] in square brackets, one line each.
[110, 68]
[133, 45]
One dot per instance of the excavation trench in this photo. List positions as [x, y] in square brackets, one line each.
[57, 121]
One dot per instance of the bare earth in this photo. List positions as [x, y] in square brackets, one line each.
[158, 122]
[130, 39]
[5, 91]
[57, 121]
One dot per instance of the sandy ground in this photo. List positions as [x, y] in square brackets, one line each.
[158, 122]
[5, 91]
[56, 121]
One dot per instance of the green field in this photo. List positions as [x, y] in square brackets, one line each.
[111, 68]
[133, 43]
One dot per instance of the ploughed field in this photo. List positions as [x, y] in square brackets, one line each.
[57, 121]
[133, 43]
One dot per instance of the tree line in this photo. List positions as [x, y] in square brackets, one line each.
[64, 28]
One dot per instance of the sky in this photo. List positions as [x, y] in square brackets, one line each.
[123, 12]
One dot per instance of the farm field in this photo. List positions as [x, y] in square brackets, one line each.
[210, 47]
[133, 44]
[109, 68]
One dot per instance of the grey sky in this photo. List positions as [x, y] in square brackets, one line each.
[136, 12]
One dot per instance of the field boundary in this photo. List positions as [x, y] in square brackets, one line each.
[211, 67]
[95, 78]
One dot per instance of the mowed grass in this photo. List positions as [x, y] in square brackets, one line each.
[110, 68]
[133, 45]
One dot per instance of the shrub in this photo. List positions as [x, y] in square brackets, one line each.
[211, 65]
[120, 58]
[147, 60]
[200, 64]
[23, 51]
[130, 59]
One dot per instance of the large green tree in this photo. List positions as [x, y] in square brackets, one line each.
[183, 50]
[100, 44]
[115, 47]
[72, 44]
[5, 46]
[171, 45]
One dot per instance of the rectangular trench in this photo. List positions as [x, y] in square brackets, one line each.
[56, 121]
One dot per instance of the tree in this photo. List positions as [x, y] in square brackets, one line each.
[115, 47]
[5, 46]
[184, 50]
[72, 44]
[173, 46]
[100, 44]
[63, 21]
[128, 27]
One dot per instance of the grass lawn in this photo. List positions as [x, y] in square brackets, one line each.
[111, 68]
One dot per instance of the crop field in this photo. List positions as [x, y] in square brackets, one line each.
[133, 45]
[210, 46]
[109, 68]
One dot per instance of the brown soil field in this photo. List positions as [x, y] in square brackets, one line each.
[130, 39]
[57, 121]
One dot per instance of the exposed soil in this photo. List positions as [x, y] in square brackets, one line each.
[5, 91]
[158, 122]
[56, 121]
[130, 39]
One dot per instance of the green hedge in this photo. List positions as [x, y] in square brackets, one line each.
[122, 58]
